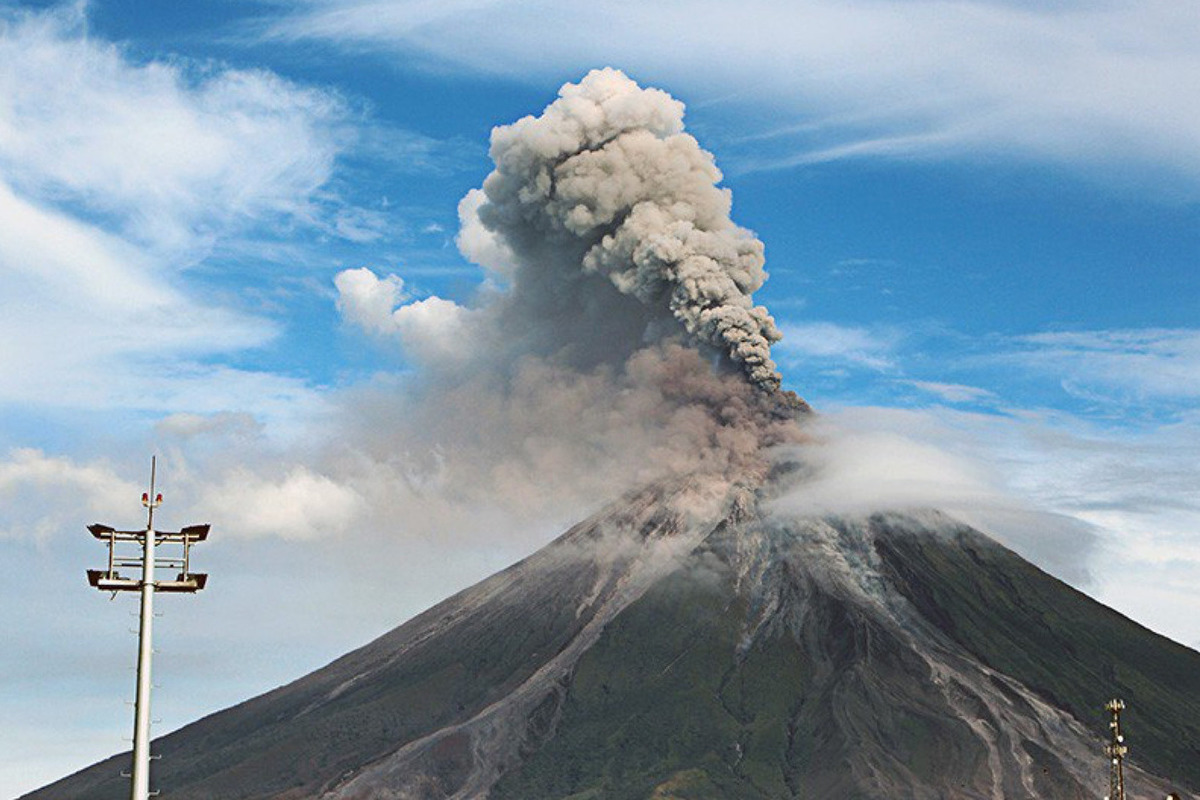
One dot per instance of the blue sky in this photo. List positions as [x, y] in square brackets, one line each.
[981, 226]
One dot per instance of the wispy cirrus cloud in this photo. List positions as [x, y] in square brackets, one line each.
[90, 321]
[118, 174]
[1118, 365]
[953, 392]
[831, 344]
[1106, 85]
[1131, 373]
[165, 153]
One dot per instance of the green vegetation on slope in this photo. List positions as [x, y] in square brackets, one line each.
[1073, 651]
[677, 700]
[661, 707]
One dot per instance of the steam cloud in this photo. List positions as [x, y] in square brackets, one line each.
[615, 342]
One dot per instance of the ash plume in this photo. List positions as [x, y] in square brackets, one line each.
[605, 183]
[615, 341]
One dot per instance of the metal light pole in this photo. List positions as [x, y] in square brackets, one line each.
[1116, 751]
[109, 580]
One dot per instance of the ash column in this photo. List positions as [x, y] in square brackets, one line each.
[110, 580]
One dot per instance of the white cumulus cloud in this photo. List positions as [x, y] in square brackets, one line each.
[301, 504]
[41, 494]
[430, 329]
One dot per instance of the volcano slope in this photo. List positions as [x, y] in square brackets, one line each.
[685, 643]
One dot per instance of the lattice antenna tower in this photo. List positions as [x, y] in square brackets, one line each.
[1116, 751]
[139, 554]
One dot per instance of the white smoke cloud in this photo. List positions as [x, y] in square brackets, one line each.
[607, 223]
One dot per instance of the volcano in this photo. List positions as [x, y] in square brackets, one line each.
[689, 642]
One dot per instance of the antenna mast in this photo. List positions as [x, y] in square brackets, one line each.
[1116, 750]
[110, 580]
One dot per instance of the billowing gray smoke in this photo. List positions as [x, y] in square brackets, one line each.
[615, 343]
[605, 182]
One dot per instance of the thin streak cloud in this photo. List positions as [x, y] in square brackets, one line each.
[1122, 364]
[1085, 84]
